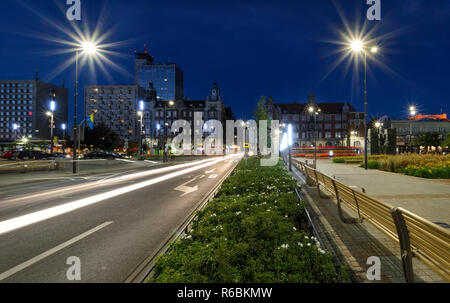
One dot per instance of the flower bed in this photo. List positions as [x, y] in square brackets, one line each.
[423, 166]
[251, 232]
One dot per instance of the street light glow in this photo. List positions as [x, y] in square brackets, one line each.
[89, 48]
[374, 50]
[48, 113]
[357, 45]
[52, 106]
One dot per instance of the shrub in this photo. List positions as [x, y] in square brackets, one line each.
[251, 232]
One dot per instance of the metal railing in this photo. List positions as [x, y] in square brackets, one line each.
[417, 236]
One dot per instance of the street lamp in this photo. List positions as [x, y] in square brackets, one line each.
[141, 116]
[64, 127]
[315, 112]
[170, 103]
[15, 128]
[357, 46]
[412, 113]
[51, 115]
[88, 48]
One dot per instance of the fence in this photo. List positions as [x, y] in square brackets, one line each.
[417, 236]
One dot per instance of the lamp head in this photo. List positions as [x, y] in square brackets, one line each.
[89, 48]
[357, 45]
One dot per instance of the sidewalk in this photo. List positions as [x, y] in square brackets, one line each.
[428, 198]
[353, 244]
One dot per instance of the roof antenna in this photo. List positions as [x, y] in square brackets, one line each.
[37, 74]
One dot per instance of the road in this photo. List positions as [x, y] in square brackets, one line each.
[111, 224]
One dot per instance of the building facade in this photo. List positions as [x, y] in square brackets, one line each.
[327, 125]
[167, 78]
[23, 109]
[407, 130]
[117, 107]
[164, 114]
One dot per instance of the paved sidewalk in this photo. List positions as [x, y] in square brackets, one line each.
[428, 198]
[353, 244]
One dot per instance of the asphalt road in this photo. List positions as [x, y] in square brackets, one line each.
[112, 224]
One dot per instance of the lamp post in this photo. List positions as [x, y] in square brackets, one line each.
[15, 128]
[89, 48]
[170, 103]
[64, 127]
[141, 118]
[358, 46]
[51, 115]
[313, 110]
[412, 112]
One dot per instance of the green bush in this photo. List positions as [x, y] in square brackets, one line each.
[338, 160]
[251, 232]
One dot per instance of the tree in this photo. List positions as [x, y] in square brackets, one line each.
[427, 140]
[446, 142]
[374, 141]
[260, 114]
[101, 137]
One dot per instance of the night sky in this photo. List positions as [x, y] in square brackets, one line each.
[285, 49]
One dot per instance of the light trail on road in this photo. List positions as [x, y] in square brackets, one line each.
[29, 219]
[103, 182]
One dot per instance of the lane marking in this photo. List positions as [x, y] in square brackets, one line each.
[153, 162]
[50, 252]
[210, 171]
[39, 216]
[187, 189]
[213, 176]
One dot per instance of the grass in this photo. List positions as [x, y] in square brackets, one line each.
[252, 232]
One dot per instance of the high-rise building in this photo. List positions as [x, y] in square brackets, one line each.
[23, 109]
[167, 78]
[116, 107]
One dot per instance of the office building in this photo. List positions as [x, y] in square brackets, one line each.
[167, 78]
[23, 109]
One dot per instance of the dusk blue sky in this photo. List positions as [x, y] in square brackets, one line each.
[252, 48]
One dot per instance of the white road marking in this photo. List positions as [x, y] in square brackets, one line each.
[126, 160]
[50, 252]
[210, 171]
[39, 216]
[213, 176]
[153, 162]
[187, 189]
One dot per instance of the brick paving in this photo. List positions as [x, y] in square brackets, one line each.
[353, 244]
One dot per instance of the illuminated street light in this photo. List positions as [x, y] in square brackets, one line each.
[89, 48]
[357, 46]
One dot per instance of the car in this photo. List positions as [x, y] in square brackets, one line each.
[8, 155]
[102, 155]
[32, 155]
